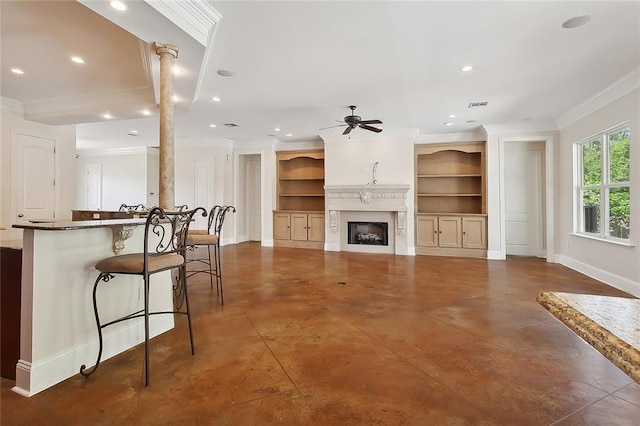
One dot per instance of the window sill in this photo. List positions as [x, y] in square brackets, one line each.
[589, 237]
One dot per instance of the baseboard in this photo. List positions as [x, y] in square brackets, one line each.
[227, 241]
[606, 277]
[496, 255]
[332, 246]
[32, 378]
[267, 243]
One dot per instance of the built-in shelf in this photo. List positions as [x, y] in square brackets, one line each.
[449, 195]
[299, 218]
[449, 175]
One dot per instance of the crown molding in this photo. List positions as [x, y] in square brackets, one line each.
[12, 106]
[520, 128]
[197, 18]
[618, 89]
[297, 146]
[475, 136]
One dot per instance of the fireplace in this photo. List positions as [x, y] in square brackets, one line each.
[368, 233]
[377, 212]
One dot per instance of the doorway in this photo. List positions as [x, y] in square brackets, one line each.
[249, 222]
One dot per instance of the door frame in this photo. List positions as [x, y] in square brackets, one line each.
[549, 253]
[239, 175]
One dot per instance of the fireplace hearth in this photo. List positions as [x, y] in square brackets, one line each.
[368, 233]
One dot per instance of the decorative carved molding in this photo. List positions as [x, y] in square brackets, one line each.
[365, 197]
[121, 233]
[333, 221]
[401, 222]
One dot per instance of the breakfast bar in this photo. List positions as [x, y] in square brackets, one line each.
[609, 324]
[57, 327]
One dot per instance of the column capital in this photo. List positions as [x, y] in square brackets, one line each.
[163, 49]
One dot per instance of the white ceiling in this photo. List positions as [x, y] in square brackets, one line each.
[298, 65]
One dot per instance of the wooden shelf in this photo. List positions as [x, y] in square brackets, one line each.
[302, 195]
[449, 195]
[302, 178]
[449, 175]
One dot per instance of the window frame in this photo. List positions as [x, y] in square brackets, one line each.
[604, 186]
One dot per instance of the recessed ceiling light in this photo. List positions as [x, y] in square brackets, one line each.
[277, 129]
[225, 73]
[576, 21]
[17, 71]
[177, 70]
[145, 112]
[212, 125]
[215, 99]
[452, 116]
[107, 116]
[77, 60]
[288, 134]
[134, 132]
[175, 98]
[466, 68]
[448, 123]
[118, 5]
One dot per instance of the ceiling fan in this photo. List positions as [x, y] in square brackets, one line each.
[352, 121]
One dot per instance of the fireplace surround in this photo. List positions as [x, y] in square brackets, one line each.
[366, 203]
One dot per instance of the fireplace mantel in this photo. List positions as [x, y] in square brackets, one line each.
[366, 197]
[350, 199]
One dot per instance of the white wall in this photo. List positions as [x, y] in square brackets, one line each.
[124, 178]
[615, 264]
[65, 137]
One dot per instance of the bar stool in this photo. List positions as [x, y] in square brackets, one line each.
[201, 237]
[132, 208]
[165, 237]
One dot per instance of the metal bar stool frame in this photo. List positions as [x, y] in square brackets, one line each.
[199, 237]
[166, 253]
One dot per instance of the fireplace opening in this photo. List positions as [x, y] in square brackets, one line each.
[368, 233]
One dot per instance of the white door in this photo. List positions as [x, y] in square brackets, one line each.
[253, 200]
[203, 186]
[523, 200]
[93, 175]
[34, 177]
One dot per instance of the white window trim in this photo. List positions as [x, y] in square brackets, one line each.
[604, 187]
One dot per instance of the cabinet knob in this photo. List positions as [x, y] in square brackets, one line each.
[464, 233]
[435, 232]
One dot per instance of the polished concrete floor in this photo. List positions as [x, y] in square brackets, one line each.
[408, 340]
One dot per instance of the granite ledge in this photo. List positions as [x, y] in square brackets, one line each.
[609, 324]
[84, 224]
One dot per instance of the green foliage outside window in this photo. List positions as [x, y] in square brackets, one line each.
[618, 172]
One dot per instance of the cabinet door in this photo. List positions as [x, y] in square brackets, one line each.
[473, 232]
[315, 227]
[450, 231]
[299, 226]
[282, 226]
[427, 231]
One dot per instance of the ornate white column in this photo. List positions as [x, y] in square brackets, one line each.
[168, 55]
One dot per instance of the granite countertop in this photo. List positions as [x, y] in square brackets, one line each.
[609, 324]
[83, 224]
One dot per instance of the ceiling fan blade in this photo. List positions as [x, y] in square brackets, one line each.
[347, 130]
[331, 127]
[371, 122]
[373, 129]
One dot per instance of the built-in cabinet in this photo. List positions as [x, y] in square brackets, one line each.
[450, 200]
[298, 220]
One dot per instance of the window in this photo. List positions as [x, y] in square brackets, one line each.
[603, 187]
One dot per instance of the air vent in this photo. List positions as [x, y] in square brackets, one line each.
[477, 104]
[230, 125]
